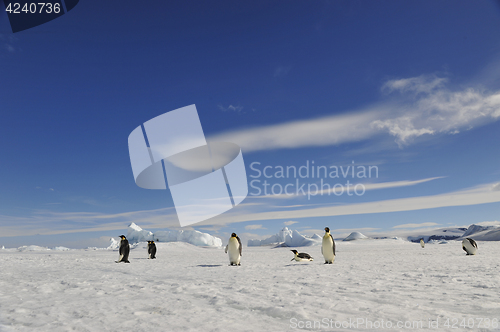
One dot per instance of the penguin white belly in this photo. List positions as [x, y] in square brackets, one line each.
[422, 243]
[298, 259]
[233, 249]
[469, 248]
[327, 249]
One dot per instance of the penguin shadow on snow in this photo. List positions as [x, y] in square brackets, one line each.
[208, 265]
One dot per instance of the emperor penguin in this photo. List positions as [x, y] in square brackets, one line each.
[422, 243]
[151, 250]
[234, 249]
[301, 256]
[124, 250]
[328, 247]
[470, 246]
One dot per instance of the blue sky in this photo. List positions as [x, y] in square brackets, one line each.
[410, 87]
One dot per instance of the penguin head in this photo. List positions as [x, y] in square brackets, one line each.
[327, 229]
[152, 242]
[122, 237]
[294, 251]
[233, 235]
[149, 242]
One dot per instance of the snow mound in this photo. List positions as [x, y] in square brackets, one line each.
[137, 234]
[355, 236]
[287, 238]
[32, 248]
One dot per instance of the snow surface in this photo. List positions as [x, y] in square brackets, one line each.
[189, 288]
[287, 238]
[137, 234]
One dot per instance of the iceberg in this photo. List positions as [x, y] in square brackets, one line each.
[287, 238]
[136, 234]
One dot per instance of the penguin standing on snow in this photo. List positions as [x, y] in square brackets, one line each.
[151, 249]
[124, 250]
[328, 247]
[234, 249]
[301, 256]
[422, 243]
[470, 246]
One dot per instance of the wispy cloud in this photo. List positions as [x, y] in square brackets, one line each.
[420, 84]
[281, 71]
[439, 110]
[340, 190]
[291, 222]
[424, 224]
[47, 222]
[231, 108]
[254, 227]
[324, 131]
[413, 107]
[479, 195]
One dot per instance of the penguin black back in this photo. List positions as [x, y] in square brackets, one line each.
[124, 250]
[151, 249]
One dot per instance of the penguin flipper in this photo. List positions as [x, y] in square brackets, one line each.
[333, 246]
[226, 249]
[239, 241]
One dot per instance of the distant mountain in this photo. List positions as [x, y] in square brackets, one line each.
[452, 233]
[483, 232]
[487, 231]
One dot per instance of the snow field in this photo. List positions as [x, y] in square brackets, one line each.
[190, 288]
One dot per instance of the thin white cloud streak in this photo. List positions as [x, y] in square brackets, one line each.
[419, 84]
[424, 224]
[53, 223]
[480, 195]
[47, 223]
[291, 222]
[424, 107]
[251, 227]
[367, 187]
[316, 132]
